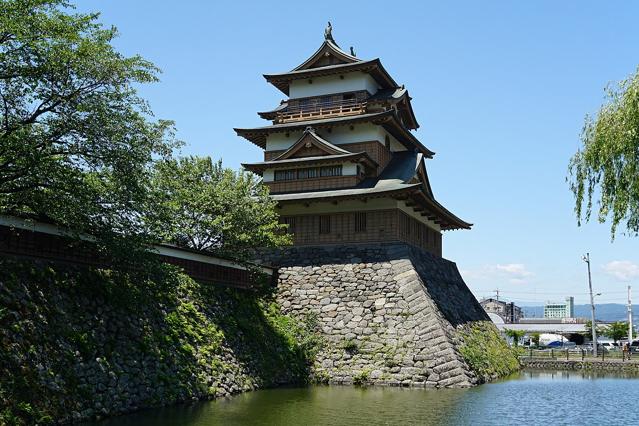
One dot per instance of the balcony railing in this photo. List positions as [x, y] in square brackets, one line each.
[318, 110]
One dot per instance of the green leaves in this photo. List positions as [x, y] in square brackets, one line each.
[76, 141]
[616, 330]
[201, 205]
[607, 165]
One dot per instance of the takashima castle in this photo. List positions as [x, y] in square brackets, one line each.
[340, 157]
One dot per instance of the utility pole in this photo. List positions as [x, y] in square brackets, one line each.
[586, 259]
[497, 293]
[629, 318]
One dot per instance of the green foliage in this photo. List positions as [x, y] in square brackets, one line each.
[598, 328]
[608, 161]
[516, 335]
[362, 377]
[350, 346]
[616, 331]
[203, 206]
[76, 140]
[535, 336]
[485, 351]
[54, 319]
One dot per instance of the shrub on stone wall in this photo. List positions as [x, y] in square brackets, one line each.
[485, 352]
[80, 343]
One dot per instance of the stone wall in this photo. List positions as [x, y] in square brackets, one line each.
[79, 343]
[390, 313]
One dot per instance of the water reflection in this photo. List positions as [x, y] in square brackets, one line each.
[557, 397]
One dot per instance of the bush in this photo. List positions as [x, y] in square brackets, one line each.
[486, 353]
[362, 378]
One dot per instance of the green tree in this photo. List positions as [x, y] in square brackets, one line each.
[616, 331]
[204, 206]
[535, 338]
[588, 327]
[76, 140]
[607, 164]
[516, 335]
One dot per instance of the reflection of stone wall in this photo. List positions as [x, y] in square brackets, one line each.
[389, 312]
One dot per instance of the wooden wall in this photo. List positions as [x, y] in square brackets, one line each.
[381, 226]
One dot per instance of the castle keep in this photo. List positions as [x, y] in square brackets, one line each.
[351, 183]
[341, 160]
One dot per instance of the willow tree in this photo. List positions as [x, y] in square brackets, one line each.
[605, 169]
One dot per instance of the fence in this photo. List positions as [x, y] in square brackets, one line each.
[578, 354]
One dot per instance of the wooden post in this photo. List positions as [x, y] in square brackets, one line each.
[552, 353]
[567, 355]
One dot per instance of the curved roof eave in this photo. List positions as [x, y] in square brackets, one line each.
[257, 135]
[373, 67]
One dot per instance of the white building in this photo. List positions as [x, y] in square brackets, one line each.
[560, 310]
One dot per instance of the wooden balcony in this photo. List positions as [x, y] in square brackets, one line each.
[321, 109]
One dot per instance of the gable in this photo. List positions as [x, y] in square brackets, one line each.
[328, 54]
[310, 145]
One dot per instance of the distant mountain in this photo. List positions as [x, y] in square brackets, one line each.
[603, 312]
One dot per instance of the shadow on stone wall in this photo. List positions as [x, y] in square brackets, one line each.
[79, 343]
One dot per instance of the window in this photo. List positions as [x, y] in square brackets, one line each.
[349, 97]
[360, 222]
[285, 174]
[331, 171]
[307, 173]
[404, 225]
[325, 224]
[290, 221]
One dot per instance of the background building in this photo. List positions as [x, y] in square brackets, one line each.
[507, 311]
[560, 310]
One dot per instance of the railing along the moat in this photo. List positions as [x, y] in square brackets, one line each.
[578, 354]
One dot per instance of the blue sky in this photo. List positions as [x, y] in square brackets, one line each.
[501, 90]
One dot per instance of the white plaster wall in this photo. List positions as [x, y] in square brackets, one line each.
[339, 135]
[333, 84]
[279, 141]
[349, 169]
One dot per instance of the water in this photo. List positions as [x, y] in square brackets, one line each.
[558, 398]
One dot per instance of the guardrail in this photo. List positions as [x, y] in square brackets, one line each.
[321, 110]
[578, 355]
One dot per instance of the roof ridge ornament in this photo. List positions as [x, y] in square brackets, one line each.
[353, 52]
[328, 33]
[309, 129]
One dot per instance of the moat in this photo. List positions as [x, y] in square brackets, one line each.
[557, 397]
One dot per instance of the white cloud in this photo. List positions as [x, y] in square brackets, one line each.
[517, 270]
[513, 273]
[623, 270]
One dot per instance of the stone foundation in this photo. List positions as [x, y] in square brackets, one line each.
[389, 313]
